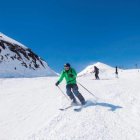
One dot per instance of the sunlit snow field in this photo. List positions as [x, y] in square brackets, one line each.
[29, 109]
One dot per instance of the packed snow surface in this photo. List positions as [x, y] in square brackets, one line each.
[29, 109]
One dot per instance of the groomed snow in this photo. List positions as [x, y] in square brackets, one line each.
[29, 109]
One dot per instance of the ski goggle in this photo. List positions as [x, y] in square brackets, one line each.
[66, 67]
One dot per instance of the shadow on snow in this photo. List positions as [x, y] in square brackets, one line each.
[107, 105]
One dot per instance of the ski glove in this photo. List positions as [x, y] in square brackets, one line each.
[57, 83]
[71, 75]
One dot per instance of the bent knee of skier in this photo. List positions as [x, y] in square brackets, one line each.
[69, 92]
[75, 91]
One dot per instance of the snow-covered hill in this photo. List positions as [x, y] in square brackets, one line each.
[16, 60]
[29, 109]
[104, 70]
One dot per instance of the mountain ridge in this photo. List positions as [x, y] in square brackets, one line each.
[20, 60]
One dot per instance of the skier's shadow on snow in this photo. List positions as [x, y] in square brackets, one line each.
[107, 105]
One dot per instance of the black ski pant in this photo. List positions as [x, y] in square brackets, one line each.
[72, 89]
[97, 76]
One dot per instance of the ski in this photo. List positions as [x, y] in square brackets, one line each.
[80, 107]
[63, 109]
[72, 105]
[77, 109]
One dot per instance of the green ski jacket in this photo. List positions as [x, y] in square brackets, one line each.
[70, 76]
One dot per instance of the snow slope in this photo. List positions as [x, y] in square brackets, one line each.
[10, 40]
[16, 60]
[104, 71]
[29, 109]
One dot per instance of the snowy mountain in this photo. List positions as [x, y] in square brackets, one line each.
[16, 60]
[29, 109]
[104, 70]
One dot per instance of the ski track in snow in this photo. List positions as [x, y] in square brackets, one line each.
[30, 110]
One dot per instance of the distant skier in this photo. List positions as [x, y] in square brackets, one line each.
[116, 72]
[96, 71]
[70, 75]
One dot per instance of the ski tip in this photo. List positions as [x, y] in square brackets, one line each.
[61, 109]
[77, 109]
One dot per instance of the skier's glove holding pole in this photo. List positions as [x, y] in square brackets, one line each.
[57, 83]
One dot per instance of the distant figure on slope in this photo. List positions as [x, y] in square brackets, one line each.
[96, 71]
[116, 72]
[70, 75]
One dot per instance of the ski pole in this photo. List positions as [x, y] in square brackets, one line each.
[88, 91]
[63, 93]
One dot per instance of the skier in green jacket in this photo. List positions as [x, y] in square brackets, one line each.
[70, 75]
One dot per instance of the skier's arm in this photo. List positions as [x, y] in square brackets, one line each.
[61, 77]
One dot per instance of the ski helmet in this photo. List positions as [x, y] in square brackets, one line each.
[67, 65]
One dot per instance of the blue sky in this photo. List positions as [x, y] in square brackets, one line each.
[77, 31]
